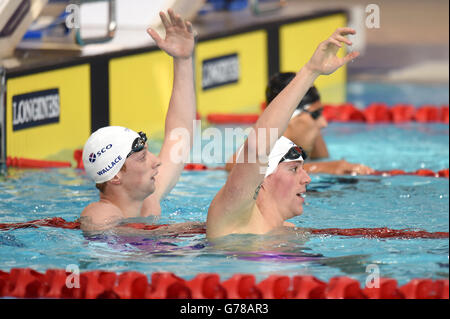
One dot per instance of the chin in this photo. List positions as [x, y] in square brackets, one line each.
[150, 189]
[298, 211]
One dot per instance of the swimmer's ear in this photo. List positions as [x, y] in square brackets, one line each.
[115, 180]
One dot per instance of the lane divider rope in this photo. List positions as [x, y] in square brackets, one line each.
[31, 163]
[98, 284]
[380, 232]
[347, 112]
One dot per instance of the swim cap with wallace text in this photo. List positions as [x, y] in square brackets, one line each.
[106, 150]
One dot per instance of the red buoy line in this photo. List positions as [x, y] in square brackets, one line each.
[383, 232]
[347, 112]
[30, 163]
[21, 162]
[28, 283]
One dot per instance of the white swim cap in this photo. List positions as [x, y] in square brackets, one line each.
[106, 150]
[279, 150]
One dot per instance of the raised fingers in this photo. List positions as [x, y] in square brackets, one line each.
[176, 19]
[164, 20]
[189, 27]
[333, 41]
[344, 31]
[351, 56]
[155, 36]
[180, 21]
[343, 39]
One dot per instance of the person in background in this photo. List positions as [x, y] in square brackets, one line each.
[304, 130]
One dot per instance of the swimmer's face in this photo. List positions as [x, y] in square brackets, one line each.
[286, 185]
[141, 169]
[303, 130]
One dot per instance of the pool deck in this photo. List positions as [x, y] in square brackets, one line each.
[412, 43]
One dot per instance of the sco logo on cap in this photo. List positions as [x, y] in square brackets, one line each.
[93, 156]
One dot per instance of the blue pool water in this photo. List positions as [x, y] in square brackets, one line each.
[332, 202]
[363, 93]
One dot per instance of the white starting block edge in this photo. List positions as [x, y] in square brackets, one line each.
[133, 18]
[9, 43]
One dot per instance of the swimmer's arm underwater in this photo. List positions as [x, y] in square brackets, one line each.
[341, 167]
[178, 43]
[232, 206]
[119, 228]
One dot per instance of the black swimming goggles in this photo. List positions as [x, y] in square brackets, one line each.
[294, 153]
[314, 114]
[138, 144]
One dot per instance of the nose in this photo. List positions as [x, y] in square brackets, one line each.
[322, 122]
[304, 178]
[156, 162]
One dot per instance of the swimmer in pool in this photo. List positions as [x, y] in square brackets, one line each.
[131, 180]
[255, 202]
[304, 129]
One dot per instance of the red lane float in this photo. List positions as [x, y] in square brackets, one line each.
[387, 289]
[344, 288]
[347, 112]
[381, 113]
[202, 167]
[402, 113]
[420, 172]
[78, 157]
[427, 114]
[382, 232]
[195, 167]
[242, 287]
[56, 283]
[57, 222]
[33, 163]
[377, 113]
[444, 114]
[308, 287]
[443, 173]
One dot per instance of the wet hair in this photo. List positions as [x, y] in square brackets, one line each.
[280, 80]
[102, 186]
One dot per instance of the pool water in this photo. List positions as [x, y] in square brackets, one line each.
[397, 202]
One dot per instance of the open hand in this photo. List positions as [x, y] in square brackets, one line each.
[345, 167]
[179, 41]
[324, 60]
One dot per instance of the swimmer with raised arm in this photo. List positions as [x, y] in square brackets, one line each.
[131, 180]
[304, 129]
[251, 202]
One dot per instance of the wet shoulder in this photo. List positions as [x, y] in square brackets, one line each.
[100, 215]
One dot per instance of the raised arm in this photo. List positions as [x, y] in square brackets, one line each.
[178, 43]
[237, 195]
